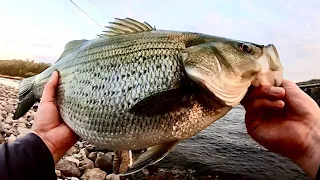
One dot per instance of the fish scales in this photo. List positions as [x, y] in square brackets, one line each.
[102, 115]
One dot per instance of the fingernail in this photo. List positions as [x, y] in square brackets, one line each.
[279, 104]
[276, 90]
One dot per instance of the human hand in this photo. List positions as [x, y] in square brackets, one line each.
[285, 120]
[48, 124]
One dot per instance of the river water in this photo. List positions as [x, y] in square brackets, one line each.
[225, 148]
[9, 82]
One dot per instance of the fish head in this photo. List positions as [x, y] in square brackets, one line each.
[228, 67]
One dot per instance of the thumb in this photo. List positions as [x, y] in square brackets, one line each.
[49, 91]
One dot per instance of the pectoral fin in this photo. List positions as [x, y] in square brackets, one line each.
[162, 102]
[151, 156]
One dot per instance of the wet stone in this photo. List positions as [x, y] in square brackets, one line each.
[72, 150]
[104, 162]
[94, 174]
[68, 168]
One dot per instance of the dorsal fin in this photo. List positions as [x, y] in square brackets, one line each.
[71, 46]
[126, 26]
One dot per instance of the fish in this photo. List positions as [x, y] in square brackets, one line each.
[138, 87]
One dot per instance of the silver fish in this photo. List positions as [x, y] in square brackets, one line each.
[136, 87]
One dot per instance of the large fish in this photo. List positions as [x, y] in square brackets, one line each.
[136, 87]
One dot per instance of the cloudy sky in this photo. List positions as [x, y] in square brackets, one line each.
[39, 29]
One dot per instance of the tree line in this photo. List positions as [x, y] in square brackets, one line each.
[22, 68]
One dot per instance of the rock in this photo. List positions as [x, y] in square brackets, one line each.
[80, 144]
[87, 164]
[22, 125]
[89, 147]
[23, 131]
[14, 121]
[68, 168]
[104, 162]
[9, 131]
[3, 103]
[11, 138]
[78, 156]
[8, 120]
[72, 150]
[71, 159]
[110, 155]
[112, 177]
[23, 120]
[84, 152]
[30, 117]
[9, 108]
[58, 173]
[93, 156]
[2, 140]
[6, 126]
[109, 177]
[1, 126]
[12, 101]
[93, 174]
[161, 176]
[4, 114]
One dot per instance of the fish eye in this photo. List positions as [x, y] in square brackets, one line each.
[245, 48]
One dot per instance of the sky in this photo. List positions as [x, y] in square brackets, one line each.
[39, 29]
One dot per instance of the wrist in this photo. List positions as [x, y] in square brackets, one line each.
[55, 154]
[310, 160]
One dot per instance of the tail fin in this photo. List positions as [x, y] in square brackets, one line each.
[26, 97]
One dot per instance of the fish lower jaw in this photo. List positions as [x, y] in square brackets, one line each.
[228, 94]
[229, 89]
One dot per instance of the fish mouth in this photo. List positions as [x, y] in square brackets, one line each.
[271, 68]
[268, 71]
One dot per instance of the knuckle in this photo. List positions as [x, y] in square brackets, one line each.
[265, 89]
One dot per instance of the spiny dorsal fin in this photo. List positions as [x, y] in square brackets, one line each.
[71, 46]
[126, 26]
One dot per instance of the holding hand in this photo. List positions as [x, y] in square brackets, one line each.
[285, 120]
[48, 124]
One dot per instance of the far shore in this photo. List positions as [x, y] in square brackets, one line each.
[11, 77]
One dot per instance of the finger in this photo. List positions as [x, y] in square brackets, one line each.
[49, 91]
[271, 92]
[286, 83]
[263, 104]
[265, 91]
[291, 86]
[258, 109]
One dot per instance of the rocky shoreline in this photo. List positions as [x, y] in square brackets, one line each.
[83, 160]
